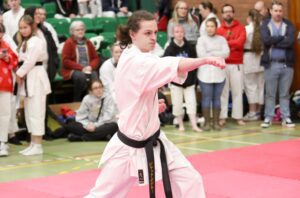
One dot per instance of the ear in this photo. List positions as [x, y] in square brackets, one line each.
[132, 35]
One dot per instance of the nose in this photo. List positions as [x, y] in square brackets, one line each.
[153, 36]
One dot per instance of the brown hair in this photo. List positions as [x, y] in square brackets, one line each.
[2, 28]
[133, 25]
[227, 5]
[213, 19]
[274, 2]
[90, 86]
[208, 5]
[20, 39]
[256, 44]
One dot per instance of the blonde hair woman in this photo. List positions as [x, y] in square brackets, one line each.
[181, 16]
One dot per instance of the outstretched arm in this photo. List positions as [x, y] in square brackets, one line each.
[189, 64]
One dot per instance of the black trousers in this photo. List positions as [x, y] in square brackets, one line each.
[103, 132]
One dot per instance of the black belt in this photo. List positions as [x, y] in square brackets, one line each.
[148, 144]
[39, 63]
[248, 50]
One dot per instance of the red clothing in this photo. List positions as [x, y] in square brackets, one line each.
[236, 37]
[69, 58]
[6, 68]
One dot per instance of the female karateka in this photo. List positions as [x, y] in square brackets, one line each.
[136, 154]
[33, 83]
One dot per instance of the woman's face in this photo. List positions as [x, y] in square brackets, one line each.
[116, 53]
[79, 32]
[204, 12]
[211, 28]
[97, 89]
[182, 9]
[145, 37]
[25, 29]
[178, 33]
[37, 17]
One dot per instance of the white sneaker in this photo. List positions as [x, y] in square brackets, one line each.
[36, 149]
[3, 149]
[267, 123]
[251, 116]
[288, 123]
[26, 149]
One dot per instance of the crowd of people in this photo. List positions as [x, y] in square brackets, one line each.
[259, 62]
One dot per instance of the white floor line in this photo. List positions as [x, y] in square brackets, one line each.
[221, 139]
[195, 149]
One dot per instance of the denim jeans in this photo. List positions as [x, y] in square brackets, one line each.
[211, 94]
[278, 77]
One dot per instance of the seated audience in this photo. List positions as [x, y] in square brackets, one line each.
[96, 117]
[115, 7]
[80, 60]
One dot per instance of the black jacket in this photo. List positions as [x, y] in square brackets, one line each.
[285, 42]
[187, 51]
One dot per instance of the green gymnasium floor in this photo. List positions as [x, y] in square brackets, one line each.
[61, 156]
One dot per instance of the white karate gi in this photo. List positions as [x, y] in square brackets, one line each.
[138, 76]
[38, 84]
[253, 72]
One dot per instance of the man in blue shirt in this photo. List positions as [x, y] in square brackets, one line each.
[278, 59]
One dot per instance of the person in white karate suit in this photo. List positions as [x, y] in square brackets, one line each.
[254, 81]
[138, 76]
[33, 83]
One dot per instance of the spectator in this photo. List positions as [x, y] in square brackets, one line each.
[207, 11]
[79, 59]
[33, 82]
[53, 32]
[278, 36]
[12, 138]
[235, 34]
[66, 8]
[179, 47]
[88, 8]
[253, 72]
[107, 69]
[11, 18]
[262, 9]
[48, 42]
[211, 79]
[182, 17]
[8, 63]
[163, 14]
[96, 117]
[112, 8]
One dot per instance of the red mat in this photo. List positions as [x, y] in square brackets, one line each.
[264, 171]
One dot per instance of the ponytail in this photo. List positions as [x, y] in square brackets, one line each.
[133, 25]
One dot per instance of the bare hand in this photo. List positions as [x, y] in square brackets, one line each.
[87, 69]
[216, 61]
[124, 10]
[162, 105]
[72, 15]
[19, 80]
[90, 127]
